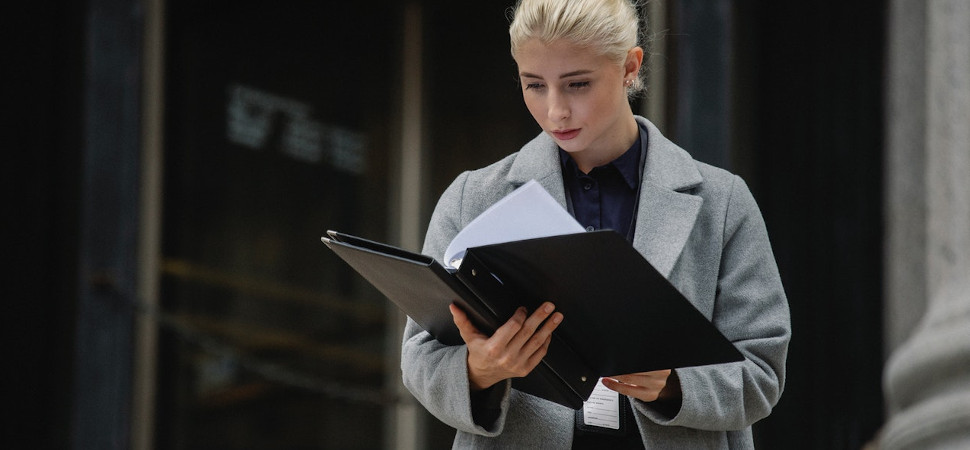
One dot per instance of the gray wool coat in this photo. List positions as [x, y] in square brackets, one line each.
[701, 228]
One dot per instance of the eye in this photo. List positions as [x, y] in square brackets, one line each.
[579, 84]
[533, 86]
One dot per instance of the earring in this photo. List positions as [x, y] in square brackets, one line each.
[629, 82]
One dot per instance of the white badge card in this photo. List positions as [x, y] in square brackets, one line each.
[603, 407]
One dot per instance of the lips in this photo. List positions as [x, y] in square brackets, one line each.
[565, 135]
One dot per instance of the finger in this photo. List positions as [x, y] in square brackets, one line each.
[543, 335]
[644, 378]
[466, 329]
[505, 333]
[550, 325]
[531, 324]
[640, 392]
[540, 353]
[645, 386]
[619, 386]
[538, 345]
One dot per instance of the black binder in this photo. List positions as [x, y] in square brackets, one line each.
[620, 315]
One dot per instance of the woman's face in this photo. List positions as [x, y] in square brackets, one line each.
[579, 98]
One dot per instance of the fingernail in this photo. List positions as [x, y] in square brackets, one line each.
[557, 318]
[548, 308]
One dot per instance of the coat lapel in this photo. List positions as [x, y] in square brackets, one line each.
[664, 222]
[666, 215]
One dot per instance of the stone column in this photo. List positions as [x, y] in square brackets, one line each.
[927, 377]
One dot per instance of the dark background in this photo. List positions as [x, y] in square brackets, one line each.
[787, 94]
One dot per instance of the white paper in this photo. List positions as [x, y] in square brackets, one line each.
[603, 407]
[528, 212]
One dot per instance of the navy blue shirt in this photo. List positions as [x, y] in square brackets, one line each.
[604, 198]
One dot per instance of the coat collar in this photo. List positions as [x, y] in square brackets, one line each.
[666, 214]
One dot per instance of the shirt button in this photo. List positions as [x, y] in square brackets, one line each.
[590, 228]
[587, 186]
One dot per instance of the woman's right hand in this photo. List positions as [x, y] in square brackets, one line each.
[512, 351]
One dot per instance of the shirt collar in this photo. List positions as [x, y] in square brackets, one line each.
[627, 164]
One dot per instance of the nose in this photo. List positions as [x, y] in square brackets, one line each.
[558, 107]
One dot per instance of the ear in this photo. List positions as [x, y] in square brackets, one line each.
[634, 58]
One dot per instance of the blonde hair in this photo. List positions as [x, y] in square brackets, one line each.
[610, 27]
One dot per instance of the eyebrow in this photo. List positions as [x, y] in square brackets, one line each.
[565, 75]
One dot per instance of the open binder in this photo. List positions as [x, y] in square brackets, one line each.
[620, 315]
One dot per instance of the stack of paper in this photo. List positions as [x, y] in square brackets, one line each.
[528, 212]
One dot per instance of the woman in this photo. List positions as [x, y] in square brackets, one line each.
[579, 61]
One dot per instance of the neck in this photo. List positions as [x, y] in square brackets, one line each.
[593, 158]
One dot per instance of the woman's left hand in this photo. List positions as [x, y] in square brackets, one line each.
[661, 385]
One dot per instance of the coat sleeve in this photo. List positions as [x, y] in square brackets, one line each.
[751, 309]
[437, 374]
